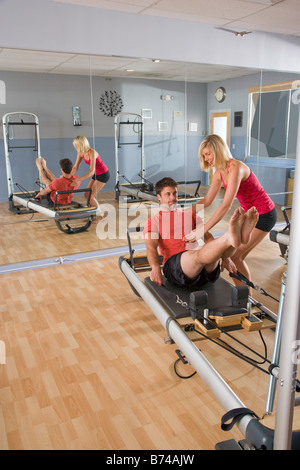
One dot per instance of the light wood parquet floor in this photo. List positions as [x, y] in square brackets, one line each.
[87, 366]
[32, 236]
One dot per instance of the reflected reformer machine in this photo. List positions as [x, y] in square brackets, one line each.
[142, 190]
[23, 201]
[208, 314]
[282, 237]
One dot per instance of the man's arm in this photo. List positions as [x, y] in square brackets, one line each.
[42, 193]
[153, 258]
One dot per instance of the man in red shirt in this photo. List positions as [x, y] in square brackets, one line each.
[54, 184]
[195, 265]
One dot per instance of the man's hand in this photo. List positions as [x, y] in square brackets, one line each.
[195, 234]
[229, 265]
[75, 182]
[156, 275]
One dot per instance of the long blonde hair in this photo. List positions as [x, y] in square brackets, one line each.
[81, 144]
[220, 150]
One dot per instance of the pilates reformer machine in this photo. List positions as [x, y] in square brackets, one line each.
[142, 190]
[208, 314]
[23, 201]
[216, 310]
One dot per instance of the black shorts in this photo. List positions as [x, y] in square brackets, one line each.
[173, 272]
[267, 221]
[103, 177]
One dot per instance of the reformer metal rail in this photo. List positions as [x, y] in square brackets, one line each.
[289, 360]
[223, 393]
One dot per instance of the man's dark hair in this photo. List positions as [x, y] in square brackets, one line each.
[66, 165]
[161, 184]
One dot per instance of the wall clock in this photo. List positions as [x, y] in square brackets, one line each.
[220, 94]
[110, 103]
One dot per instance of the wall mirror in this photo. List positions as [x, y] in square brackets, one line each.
[181, 97]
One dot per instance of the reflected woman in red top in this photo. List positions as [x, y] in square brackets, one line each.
[239, 182]
[98, 171]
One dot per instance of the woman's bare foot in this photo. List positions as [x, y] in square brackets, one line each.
[235, 227]
[98, 215]
[251, 218]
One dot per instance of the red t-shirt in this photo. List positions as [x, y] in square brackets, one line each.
[62, 184]
[169, 227]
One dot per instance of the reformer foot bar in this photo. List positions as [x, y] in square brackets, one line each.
[257, 435]
[141, 191]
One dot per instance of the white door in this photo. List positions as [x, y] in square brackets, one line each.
[219, 124]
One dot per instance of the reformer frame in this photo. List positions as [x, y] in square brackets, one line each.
[133, 119]
[10, 120]
[25, 202]
[282, 237]
[62, 214]
[257, 435]
[143, 189]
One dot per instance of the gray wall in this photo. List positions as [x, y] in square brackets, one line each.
[173, 152]
[51, 98]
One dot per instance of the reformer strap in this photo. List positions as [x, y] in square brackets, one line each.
[235, 415]
[240, 277]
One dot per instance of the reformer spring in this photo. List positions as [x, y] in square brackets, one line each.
[229, 348]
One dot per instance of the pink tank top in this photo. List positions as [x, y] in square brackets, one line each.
[251, 193]
[100, 166]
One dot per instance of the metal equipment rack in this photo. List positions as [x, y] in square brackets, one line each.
[135, 120]
[9, 120]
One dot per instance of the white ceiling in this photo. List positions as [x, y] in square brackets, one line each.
[76, 64]
[236, 16]
[272, 16]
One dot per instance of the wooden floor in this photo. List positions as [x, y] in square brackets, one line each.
[30, 237]
[86, 363]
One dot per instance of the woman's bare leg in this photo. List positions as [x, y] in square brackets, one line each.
[96, 186]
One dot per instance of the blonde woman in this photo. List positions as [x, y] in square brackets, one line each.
[241, 183]
[98, 171]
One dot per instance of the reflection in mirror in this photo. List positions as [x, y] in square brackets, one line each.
[175, 101]
[273, 122]
[272, 132]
